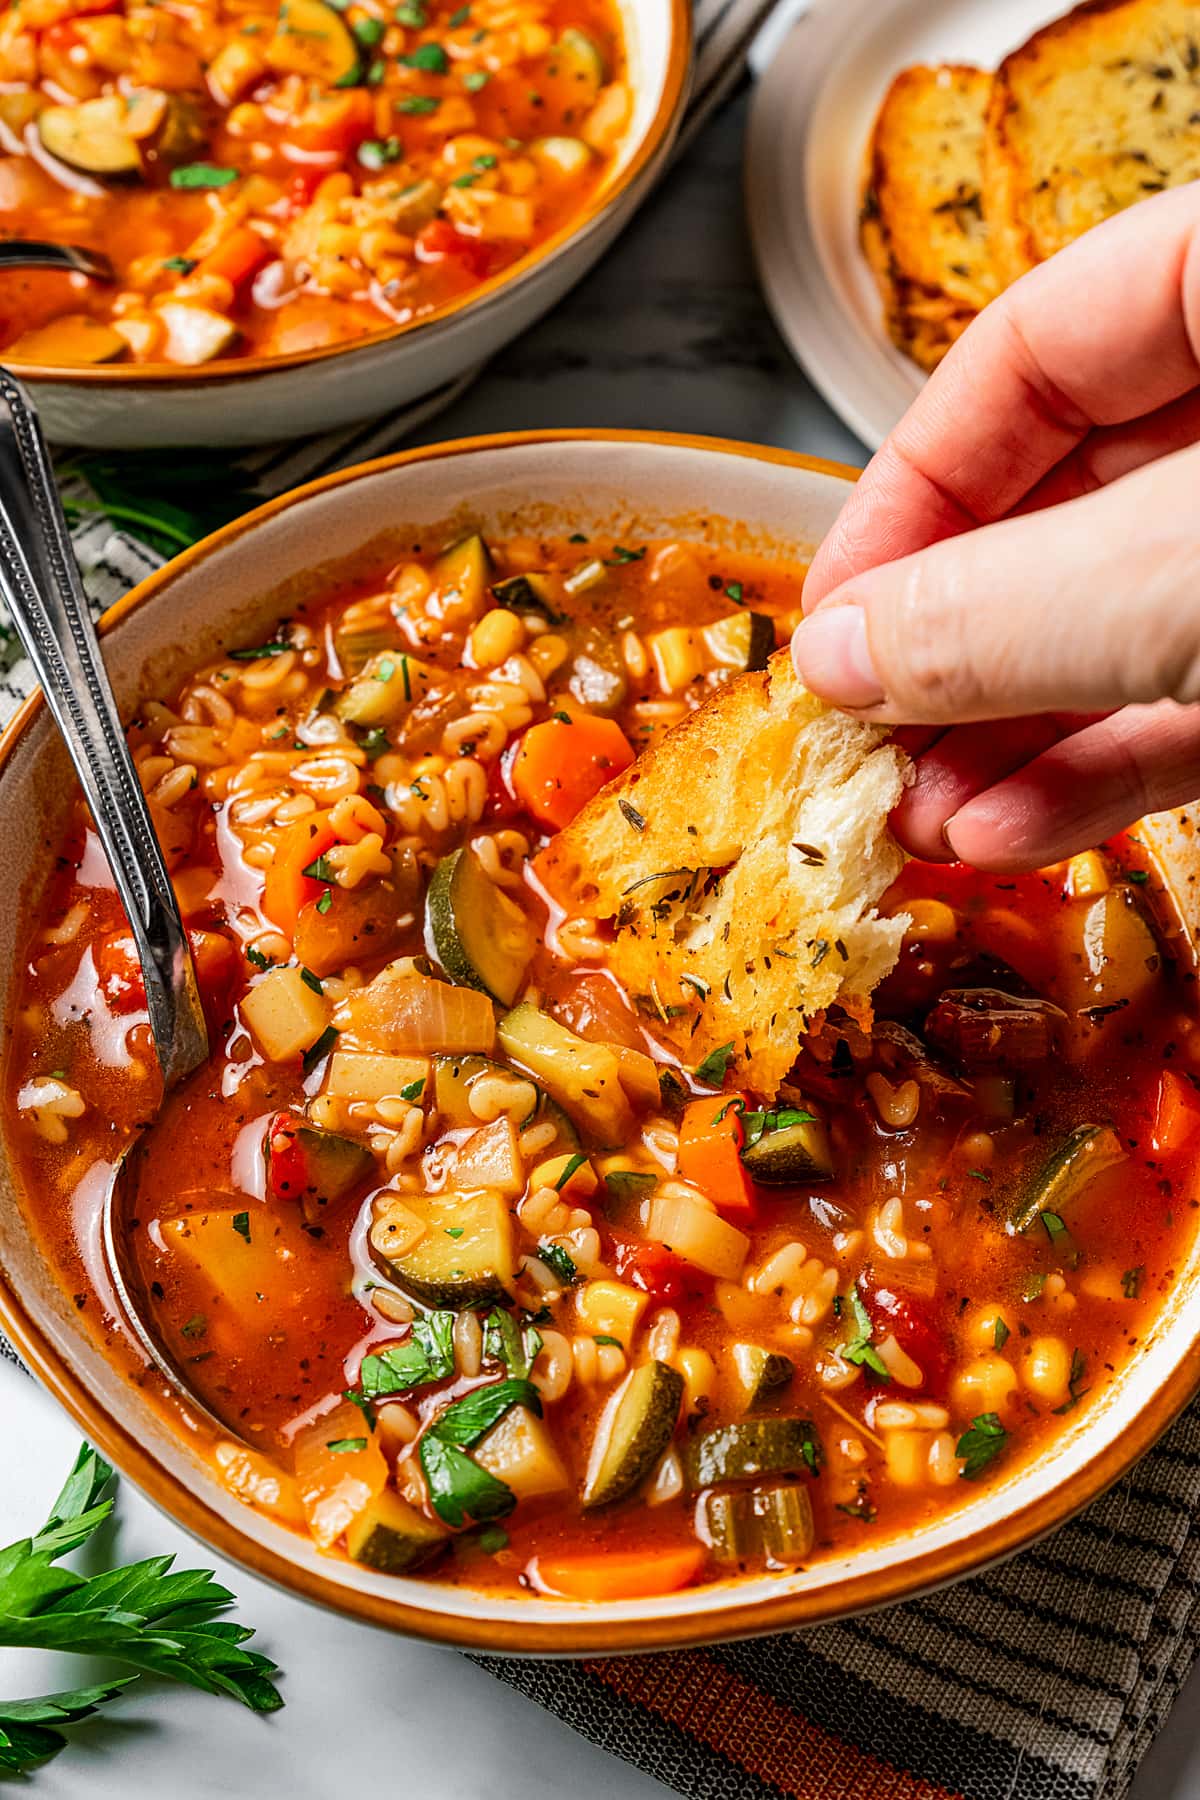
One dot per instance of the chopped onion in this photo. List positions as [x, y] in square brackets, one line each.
[401, 1011]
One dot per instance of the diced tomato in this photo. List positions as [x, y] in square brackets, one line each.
[654, 1269]
[911, 1322]
[711, 1136]
[302, 187]
[1176, 1115]
[218, 972]
[439, 242]
[287, 1164]
[563, 763]
[336, 123]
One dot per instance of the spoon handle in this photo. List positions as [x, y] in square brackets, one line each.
[40, 584]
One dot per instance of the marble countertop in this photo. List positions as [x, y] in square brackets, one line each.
[670, 332]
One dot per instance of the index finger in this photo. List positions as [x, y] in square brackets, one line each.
[1105, 332]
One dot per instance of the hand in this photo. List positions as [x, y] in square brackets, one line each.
[1025, 548]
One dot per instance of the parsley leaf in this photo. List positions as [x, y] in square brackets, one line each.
[629, 1184]
[157, 1619]
[981, 1444]
[320, 1050]
[573, 1163]
[1000, 1333]
[340, 1445]
[556, 1258]
[241, 1224]
[426, 1355]
[414, 1090]
[460, 1488]
[202, 175]
[507, 1342]
[860, 1349]
[427, 56]
[712, 1070]
[1075, 1383]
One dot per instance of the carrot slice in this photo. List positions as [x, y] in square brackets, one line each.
[562, 763]
[237, 257]
[616, 1575]
[286, 887]
[1177, 1115]
[711, 1136]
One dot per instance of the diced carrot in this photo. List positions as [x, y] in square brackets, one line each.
[616, 1575]
[1177, 1114]
[119, 973]
[335, 122]
[562, 763]
[237, 257]
[286, 887]
[711, 1136]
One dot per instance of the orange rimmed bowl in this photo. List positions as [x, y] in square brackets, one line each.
[253, 399]
[233, 585]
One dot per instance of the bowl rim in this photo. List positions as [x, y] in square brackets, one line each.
[657, 135]
[853, 1594]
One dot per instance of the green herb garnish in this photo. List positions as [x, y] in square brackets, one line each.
[310, 980]
[474, 80]
[325, 901]
[574, 1162]
[712, 1070]
[241, 1224]
[981, 1445]
[417, 104]
[1000, 1333]
[458, 1487]
[621, 555]
[430, 57]
[860, 1349]
[1131, 1282]
[258, 651]
[414, 1090]
[180, 265]
[202, 175]
[320, 1050]
[425, 1356]
[343, 1446]
[514, 1345]
[1075, 1385]
[556, 1258]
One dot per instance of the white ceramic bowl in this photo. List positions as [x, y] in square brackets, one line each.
[251, 400]
[231, 587]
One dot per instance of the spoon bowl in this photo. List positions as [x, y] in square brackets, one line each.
[40, 584]
[72, 259]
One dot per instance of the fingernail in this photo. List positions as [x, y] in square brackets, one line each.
[833, 657]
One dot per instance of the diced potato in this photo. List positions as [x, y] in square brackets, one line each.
[677, 657]
[638, 1075]
[698, 1235]
[610, 1309]
[520, 1452]
[606, 122]
[389, 685]
[339, 1471]
[357, 1075]
[194, 333]
[578, 1184]
[285, 1015]
[491, 1158]
[235, 69]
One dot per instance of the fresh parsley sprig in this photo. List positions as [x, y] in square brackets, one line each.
[158, 1619]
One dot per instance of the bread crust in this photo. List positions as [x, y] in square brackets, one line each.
[739, 862]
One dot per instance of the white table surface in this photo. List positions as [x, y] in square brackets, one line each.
[671, 333]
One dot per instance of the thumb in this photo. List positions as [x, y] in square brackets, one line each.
[1082, 607]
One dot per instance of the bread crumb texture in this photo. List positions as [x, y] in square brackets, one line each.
[740, 862]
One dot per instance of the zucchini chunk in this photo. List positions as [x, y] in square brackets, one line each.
[531, 593]
[71, 338]
[787, 1146]
[464, 571]
[453, 1078]
[393, 1536]
[583, 1077]
[385, 689]
[313, 40]
[749, 1448]
[354, 649]
[311, 1165]
[760, 1372]
[461, 1255]
[580, 60]
[1086, 1153]
[744, 640]
[520, 1452]
[92, 137]
[771, 1524]
[477, 934]
[635, 1428]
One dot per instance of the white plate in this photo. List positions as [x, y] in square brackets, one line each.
[809, 125]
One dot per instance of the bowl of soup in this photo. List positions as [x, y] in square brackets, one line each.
[512, 1327]
[314, 211]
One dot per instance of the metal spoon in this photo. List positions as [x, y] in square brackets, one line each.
[40, 584]
[26, 253]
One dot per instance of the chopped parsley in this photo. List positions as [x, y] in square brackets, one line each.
[712, 1070]
[180, 265]
[474, 80]
[458, 1487]
[363, 1404]
[241, 1224]
[414, 1090]
[195, 1327]
[368, 31]
[1075, 1387]
[418, 104]
[325, 902]
[320, 1050]
[257, 651]
[257, 959]
[430, 57]
[1138, 875]
[759, 1124]
[629, 1184]
[1000, 1333]
[425, 1356]
[454, 1231]
[415, 17]
[602, 1337]
[980, 1445]
[504, 1341]
[310, 980]
[556, 1258]
[734, 591]
[202, 175]
[1060, 1237]
[321, 869]
[621, 556]
[1131, 1282]
[492, 1538]
[573, 1163]
[376, 153]
[811, 1448]
[341, 1446]
[860, 1349]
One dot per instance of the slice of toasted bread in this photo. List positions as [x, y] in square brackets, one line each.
[1096, 111]
[740, 861]
[922, 223]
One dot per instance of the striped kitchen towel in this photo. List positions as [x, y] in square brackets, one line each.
[1045, 1679]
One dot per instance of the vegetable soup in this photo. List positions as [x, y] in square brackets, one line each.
[269, 179]
[486, 1281]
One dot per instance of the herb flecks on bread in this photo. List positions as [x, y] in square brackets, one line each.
[740, 862]
[922, 224]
